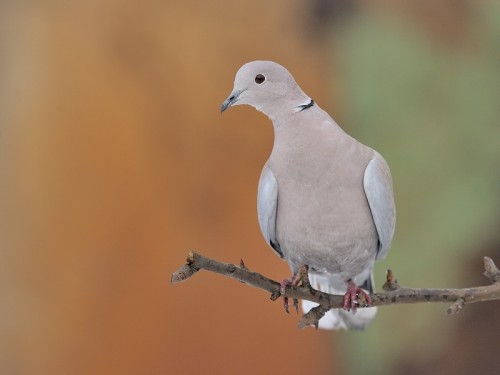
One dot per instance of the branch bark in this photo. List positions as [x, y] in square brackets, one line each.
[393, 293]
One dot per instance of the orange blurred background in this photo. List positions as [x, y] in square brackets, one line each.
[116, 162]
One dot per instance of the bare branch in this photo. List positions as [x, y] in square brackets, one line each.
[393, 293]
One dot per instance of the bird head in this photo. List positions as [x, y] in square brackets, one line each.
[266, 86]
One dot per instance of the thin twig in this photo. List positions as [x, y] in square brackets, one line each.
[393, 293]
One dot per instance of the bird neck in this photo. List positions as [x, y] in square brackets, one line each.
[290, 106]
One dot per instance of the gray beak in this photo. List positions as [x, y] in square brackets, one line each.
[233, 98]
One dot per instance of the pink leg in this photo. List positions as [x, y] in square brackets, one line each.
[351, 297]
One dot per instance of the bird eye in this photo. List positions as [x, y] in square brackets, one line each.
[259, 78]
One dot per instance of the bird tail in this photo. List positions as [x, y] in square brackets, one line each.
[337, 318]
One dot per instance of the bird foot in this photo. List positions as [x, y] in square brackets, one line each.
[295, 280]
[284, 283]
[355, 297]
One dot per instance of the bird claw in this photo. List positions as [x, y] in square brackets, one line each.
[283, 285]
[295, 305]
[295, 280]
[355, 297]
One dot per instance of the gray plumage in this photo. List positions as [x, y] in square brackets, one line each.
[324, 199]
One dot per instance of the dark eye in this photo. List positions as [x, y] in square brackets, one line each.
[259, 78]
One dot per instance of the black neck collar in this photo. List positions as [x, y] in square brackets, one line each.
[305, 106]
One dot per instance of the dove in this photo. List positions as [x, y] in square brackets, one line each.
[324, 199]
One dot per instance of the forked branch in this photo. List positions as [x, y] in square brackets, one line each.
[393, 293]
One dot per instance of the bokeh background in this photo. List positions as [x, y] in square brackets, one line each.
[115, 162]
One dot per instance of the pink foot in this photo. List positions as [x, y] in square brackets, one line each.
[283, 286]
[351, 297]
[292, 281]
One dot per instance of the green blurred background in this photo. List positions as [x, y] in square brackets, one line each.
[115, 162]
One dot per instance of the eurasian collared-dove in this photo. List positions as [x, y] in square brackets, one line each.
[324, 199]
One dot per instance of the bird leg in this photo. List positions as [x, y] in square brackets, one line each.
[295, 280]
[355, 296]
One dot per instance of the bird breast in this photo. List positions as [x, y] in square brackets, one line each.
[323, 216]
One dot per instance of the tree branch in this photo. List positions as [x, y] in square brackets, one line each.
[393, 293]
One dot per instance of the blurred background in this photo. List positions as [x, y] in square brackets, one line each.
[115, 162]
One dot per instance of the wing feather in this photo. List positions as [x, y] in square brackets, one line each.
[379, 192]
[267, 204]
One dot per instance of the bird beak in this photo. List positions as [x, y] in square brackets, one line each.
[233, 98]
